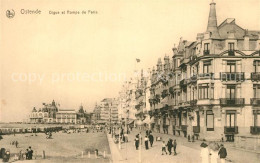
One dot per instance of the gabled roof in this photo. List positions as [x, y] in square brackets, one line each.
[254, 34]
[229, 26]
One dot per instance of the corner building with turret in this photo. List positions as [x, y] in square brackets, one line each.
[211, 87]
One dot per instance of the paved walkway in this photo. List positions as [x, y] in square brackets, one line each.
[187, 152]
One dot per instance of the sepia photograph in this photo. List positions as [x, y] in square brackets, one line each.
[130, 81]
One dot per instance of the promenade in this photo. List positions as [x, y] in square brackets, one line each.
[187, 152]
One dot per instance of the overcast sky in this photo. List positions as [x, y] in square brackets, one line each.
[61, 52]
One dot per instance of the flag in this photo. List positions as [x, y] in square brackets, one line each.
[137, 60]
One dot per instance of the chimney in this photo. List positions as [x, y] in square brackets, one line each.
[212, 21]
[246, 40]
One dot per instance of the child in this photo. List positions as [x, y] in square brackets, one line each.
[163, 147]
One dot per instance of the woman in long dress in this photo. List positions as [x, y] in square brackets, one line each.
[204, 154]
[214, 147]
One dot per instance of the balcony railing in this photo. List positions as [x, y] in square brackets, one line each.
[196, 129]
[206, 75]
[232, 76]
[255, 101]
[255, 76]
[255, 130]
[183, 83]
[193, 78]
[232, 101]
[231, 53]
[193, 102]
[206, 52]
[231, 130]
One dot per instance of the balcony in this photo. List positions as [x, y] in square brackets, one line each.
[232, 76]
[183, 83]
[231, 53]
[255, 130]
[196, 129]
[231, 130]
[193, 79]
[255, 101]
[206, 52]
[255, 76]
[206, 75]
[193, 102]
[232, 101]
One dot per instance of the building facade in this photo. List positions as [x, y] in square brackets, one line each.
[210, 87]
[106, 112]
[46, 114]
[50, 113]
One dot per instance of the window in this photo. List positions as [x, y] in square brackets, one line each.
[206, 47]
[198, 118]
[192, 93]
[231, 66]
[231, 46]
[231, 92]
[212, 91]
[231, 118]
[210, 120]
[256, 88]
[206, 92]
[257, 66]
[256, 117]
[206, 67]
[231, 49]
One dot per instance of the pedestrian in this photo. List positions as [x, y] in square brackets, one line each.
[30, 153]
[6, 156]
[1, 137]
[188, 138]
[163, 147]
[16, 144]
[146, 140]
[27, 154]
[192, 138]
[137, 142]
[175, 147]
[222, 153]
[151, 139]
[204, 154]
[169, 146]
[140, 138]
[147, 132]
[214, 147]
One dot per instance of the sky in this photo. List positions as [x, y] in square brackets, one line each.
[82, 58]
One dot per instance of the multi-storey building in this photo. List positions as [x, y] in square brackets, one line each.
[96, 114]
[210, 88]
[50, 113]
[46, 114]
[66, 116]
[108, 111]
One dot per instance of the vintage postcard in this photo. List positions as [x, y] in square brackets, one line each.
[131, 81]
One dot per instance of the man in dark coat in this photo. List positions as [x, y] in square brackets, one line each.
[222, 153]
[174, 147]
[30, 153]
[151, 139]
[137, 142]
[169, 146]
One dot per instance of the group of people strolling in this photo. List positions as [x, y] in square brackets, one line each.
[148, 138]
[212, 152]
[170, 145]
